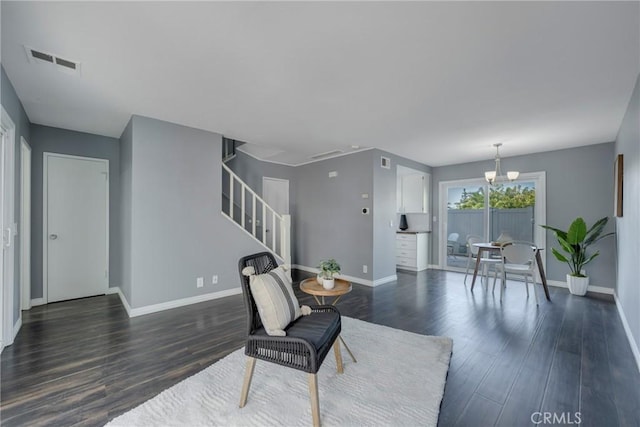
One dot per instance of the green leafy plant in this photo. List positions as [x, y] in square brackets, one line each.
[575, 242]
[329, 268]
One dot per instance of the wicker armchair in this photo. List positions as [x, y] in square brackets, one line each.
[308, 339]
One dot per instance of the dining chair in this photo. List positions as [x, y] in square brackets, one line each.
[518, 258]
[485, 261]
[452, 244]
[307, 340]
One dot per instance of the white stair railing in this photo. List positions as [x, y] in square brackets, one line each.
[240, 194]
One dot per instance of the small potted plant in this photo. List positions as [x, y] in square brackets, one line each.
[575, 242]
[328, 269]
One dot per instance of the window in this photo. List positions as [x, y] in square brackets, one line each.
[472, 207]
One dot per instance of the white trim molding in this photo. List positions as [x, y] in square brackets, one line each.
[353, 279]
[591, 288]
[627, 330]
[37, 301]
[154, 308]
[16, 327]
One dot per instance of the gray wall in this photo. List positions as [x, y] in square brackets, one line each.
[251, 171]
[55, 140]
[385, 210]
[628, 144]
[14, 108]
[579, 183]
[126, 202]
[328, 210]
[178, 232]
[327, 217]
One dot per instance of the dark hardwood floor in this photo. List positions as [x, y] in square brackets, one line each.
[84, 362]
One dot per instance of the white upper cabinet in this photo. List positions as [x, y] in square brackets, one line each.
[412, 192]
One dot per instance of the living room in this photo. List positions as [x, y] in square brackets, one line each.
[430, 86]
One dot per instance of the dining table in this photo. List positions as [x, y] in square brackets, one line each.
[491, 248]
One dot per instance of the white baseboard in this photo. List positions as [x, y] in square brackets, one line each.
[154, 308]
[353, 279]
[123, 299]
[37, 301]
[384, 280]
[596, 289]
[16, 328]
[627, 330]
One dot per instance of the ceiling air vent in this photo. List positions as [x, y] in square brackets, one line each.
[45, 58]
[325, 155]
[41, 55]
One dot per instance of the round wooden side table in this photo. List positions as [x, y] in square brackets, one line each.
[312, 287]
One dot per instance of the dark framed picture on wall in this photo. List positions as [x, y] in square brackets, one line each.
[618, 169]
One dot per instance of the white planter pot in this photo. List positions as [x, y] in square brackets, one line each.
[319, 279]
[328, 283]
[577, 285]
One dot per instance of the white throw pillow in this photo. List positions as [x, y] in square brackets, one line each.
[275, 300]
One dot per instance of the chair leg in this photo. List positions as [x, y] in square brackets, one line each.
[469, 258]
[248, 374]
[503, 283]
[315, 403]
[495, 276]
[336, 350]
[526, 285]
[535, 292]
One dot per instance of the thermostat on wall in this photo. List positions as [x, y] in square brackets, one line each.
[365, 211]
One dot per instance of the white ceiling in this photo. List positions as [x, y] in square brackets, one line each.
[435, 82]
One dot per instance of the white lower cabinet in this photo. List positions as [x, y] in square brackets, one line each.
[411, 251]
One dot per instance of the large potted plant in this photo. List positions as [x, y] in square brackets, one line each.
[574, 242]
[328, 269]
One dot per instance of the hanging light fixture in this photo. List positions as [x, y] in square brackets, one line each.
[496, 175]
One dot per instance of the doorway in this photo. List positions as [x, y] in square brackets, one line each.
[7, 228]
[471, 207]
[75, 227]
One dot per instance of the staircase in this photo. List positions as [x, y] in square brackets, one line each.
[251, 213]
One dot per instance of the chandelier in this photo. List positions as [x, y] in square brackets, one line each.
[496, 175]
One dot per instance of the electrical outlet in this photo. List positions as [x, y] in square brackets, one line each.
[200, 282]
[365, 269]
[214, 279]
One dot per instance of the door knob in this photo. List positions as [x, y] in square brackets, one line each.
[53, 236]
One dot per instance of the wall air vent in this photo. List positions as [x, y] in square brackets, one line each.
[325, 155]
[50, 59]
[385, 162]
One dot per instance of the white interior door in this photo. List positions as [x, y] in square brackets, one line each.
[25, 224]
[76, 226]
[3, 294]
[275, 192]
[7, 229]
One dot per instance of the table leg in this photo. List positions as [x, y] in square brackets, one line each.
[317, 300]
[475, 271]
[543, 278]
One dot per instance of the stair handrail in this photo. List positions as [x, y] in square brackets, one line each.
[284, 219]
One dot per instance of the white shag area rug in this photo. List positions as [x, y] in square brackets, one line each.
[398, 380]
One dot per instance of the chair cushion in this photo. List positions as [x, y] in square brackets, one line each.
[317, 328]
[275, 300]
